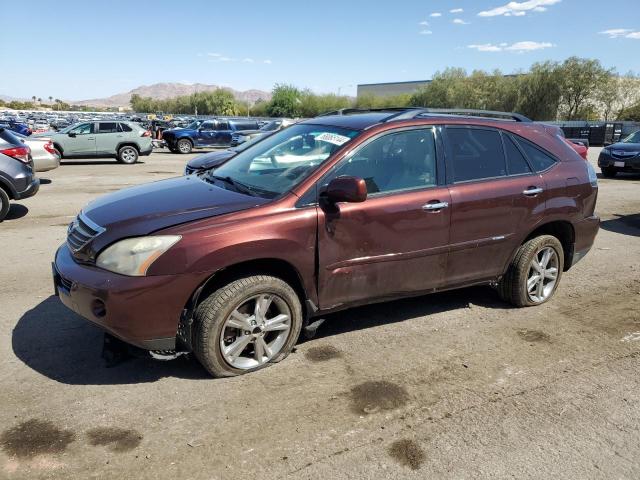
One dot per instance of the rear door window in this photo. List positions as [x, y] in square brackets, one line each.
[516, 162]
[123, 127]
[222, 125]
[475, 154]
[208, 126]
[107, 127]
[538, 159]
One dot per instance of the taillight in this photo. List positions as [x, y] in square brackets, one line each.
[19, 153]
[146, 133]
[49, 148]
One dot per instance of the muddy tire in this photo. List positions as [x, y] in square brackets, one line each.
[246, 325]
[534, 273]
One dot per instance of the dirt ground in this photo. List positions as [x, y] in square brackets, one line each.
[454, 385]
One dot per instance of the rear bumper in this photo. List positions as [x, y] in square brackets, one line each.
[585, 234]
[30, 191]
[141, 311]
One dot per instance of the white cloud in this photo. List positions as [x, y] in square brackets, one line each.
[425, 32]
[456, 10]
[214, 55]
[268, 62]
[459, 21]
[518, 47]
[435, 14]
[519, 9]
[247, 60]
[424, 23]
[621, 33]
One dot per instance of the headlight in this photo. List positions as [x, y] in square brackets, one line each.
[134, 256]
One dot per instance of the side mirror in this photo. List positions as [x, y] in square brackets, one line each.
[71, 134]
[346, 189]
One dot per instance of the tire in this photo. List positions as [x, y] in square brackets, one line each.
[514, 287]
[609, 172]
[212, 330]
[128, 154]
[184, 146]
[4, 204]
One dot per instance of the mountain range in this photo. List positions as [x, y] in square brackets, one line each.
[162, 91]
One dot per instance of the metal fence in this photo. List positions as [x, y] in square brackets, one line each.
[597, 133]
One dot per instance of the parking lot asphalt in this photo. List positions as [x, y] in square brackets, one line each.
[453, 385]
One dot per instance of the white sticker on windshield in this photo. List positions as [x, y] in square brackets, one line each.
[333, 138]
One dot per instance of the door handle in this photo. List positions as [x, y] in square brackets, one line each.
[90, 138]
[437, 205]
[532, 191]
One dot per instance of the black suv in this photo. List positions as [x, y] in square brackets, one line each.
[17, 179]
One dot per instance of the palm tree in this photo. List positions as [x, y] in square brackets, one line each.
[33, 98]
[50, 98]
[39, 100]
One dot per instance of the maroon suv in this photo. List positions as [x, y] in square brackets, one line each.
[344, 209]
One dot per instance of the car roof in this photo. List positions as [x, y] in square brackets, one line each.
[358, 121]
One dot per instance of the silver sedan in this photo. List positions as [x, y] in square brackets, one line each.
[45, 156]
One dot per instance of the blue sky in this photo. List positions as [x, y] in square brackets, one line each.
[77, 50]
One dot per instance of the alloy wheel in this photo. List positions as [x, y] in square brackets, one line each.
[543, 275]
[255, 331]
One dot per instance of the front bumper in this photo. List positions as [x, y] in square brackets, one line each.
[622, 164]
[142, 311]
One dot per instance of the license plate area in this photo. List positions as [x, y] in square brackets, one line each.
[618, 164]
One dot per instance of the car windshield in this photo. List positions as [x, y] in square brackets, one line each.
[633, 138]
[276, 164]
[243, 146]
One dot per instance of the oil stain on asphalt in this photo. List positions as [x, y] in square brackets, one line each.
[534, 336]
[322, 353]
[408, 453]
[35, 437]
[116, 439]
[373, 396]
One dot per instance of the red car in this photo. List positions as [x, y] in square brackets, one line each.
[336, 211]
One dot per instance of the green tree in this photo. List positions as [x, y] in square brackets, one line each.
[285, 101]
[580, 78]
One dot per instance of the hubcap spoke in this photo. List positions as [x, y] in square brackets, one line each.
[551, 273]
[546, 256]
[238, 346]
[239, 320]
[259, 350]
[263, 302]
[277, 323]
[532, 282]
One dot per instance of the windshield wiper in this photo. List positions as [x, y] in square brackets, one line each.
[240, 187]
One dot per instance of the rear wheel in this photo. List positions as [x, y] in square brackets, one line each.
[185, 146]
[128, 154]
[609, 172]
[4, 204]
[247, 325]
[534, 273]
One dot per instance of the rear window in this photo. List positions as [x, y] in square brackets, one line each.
[538, 159]
[516, 162]
[123, 127]
[476, 154]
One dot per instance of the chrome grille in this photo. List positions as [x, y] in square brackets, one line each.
[81, 231]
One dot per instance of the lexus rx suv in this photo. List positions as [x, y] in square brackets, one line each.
[344, 209]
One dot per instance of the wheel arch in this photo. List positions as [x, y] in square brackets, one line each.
[563, 230]
[8, 188]
[261, 266]
[127, 143]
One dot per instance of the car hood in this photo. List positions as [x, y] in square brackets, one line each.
[625, 147]
[144, 209]
[173, 131]
[249, 132]
[210, 160]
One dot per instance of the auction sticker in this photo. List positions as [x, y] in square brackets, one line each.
[333, 138]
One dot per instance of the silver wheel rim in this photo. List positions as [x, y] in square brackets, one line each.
[184, 147]
[543, 275]
[256, 331]
[129, 155]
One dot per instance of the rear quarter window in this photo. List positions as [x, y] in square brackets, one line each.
[538, 159]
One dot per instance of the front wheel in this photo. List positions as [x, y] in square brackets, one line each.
[534, 273]
[128, 155]
[184, 146]
[609, 172]
[247, 325]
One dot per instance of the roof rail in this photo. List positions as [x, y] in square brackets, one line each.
[348, 111]
[416, 112]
